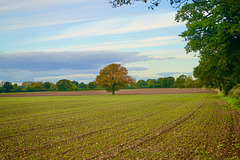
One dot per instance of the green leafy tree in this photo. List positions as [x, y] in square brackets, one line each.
[74, 87]
[180, 81]
[47, 85]
[30, 89]
[18, 89]
[213, 30]
[91, 85]
[82, 86]
[164, 82]
[141, 84]
[159, 80]
[151, 83]
[53, 87]
[37, 85]
[25, 84]
[64, 85]
[113, 77]
[170, 82]
[189, 83]
[75, 82]
[7, 87]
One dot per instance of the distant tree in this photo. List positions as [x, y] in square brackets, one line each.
[37, 85]
[75, 82]
[25, 84]
[18, 89]
[53, 87]
[63, 85]
[141, 84]
[170, 82]
[30, 89]
[151, 83]
[184, 81]
[15, 86]
[113, 77]
[47, 85]
[82, 86]
[74, 87]
[159, 80]
[180, 81]
[7, 87]
[91, 85]
[164, 82]
[191, 83]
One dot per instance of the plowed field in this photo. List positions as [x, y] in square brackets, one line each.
[121, 92]
[157, 126]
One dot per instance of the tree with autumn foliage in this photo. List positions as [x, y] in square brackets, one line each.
[113, 77]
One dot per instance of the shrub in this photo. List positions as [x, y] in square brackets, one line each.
[235, 92]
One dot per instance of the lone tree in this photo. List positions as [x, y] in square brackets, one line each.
[113, 77]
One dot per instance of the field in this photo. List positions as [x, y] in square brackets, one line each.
[154, 126]
[103, 92]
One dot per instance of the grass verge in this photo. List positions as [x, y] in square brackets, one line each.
[233, 102]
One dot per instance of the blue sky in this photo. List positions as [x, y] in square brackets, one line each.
[49, 40]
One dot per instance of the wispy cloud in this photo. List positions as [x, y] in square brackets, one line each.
[22, 14]
[164, 52]
[119, 25]
[130, 44]
[32, 5]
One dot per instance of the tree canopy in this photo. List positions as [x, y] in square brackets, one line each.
[113, 77]
[213, 30]
[7, 86]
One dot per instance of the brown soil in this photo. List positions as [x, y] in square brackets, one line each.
[120, 92]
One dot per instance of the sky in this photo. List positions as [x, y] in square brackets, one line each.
[49, 40]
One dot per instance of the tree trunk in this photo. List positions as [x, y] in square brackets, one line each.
[113, 89]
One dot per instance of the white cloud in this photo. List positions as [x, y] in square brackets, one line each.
[119, 25]
[35, 21]
[33, 5]
[164, 52]
[180, 57]
[140, 43]
[21, 14]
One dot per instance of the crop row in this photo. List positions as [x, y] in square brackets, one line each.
[121, 127]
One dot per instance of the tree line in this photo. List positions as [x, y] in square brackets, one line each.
[61, 85]
[182, 81]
